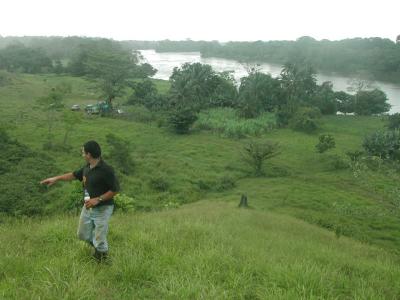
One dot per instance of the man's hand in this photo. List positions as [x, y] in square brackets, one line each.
[92, 202]
[49, 181]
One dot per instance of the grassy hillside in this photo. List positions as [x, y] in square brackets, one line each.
[206, 250]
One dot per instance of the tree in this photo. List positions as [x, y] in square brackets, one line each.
[326, 142]
[197, 86]
[111, 66]
[255, 153]
[258, 92]
[192, 86]
[324, 98]
[345, 102]
[371, 102]
[18, 58]
[181, 119]
[298, 85]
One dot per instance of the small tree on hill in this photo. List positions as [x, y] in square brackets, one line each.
[256, 153]
[326, 142]
[181, 119]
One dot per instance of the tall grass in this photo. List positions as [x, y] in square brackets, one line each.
[227, 123]
[207, 250]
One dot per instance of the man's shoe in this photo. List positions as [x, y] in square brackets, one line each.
[100, 256]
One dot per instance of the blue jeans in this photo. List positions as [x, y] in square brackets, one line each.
[93, 226]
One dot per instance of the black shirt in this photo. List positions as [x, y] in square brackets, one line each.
[98, 180]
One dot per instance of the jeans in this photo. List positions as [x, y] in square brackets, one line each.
[93, 226]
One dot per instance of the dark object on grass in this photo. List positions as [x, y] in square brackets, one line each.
[243, 201]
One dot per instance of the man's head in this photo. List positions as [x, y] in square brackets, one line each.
[91, 150]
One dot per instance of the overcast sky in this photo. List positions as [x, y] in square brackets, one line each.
[223, 20]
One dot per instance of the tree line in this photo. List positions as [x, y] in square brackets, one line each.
[294, 96]
[373, 58]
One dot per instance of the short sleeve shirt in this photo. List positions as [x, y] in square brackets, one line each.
[98, 180]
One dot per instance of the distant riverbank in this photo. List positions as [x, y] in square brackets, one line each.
[165, 62]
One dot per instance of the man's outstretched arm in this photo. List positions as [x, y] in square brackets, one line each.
[65, 177]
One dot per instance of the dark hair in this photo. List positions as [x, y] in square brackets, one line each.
[93, 148]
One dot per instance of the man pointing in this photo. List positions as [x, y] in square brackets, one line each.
[100, 186]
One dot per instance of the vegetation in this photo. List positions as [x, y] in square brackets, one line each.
[377, 57]
[209, 249]
[227, 122]
[256, 153]
[326, 142]
[327, 224]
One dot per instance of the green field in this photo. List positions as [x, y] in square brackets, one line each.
[315, 230]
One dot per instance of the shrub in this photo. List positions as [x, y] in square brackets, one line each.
[383, 144]
[305, 119]
[182, 119]
[75, 197]
[255, 153]
[282, 118]
[326, 142]
[394, 121]
[124, 203]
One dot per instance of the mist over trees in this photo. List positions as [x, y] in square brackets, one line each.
[377, 57]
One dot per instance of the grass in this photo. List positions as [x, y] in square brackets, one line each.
[315, 232]
[204, 250]
[225, 122]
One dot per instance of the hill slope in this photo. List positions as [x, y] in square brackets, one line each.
[205, 250]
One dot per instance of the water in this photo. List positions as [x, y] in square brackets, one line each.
[165, 63]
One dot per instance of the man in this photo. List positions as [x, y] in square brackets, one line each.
[99, 181]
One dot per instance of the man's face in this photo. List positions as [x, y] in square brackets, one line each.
[86, 156]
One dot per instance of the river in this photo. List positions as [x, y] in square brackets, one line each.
[166, 61]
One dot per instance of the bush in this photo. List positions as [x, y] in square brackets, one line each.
[75, 198]
[124, 203]
[394, 121]
[182, 119]
[305, 119]
[282, 118]
[383, 144]
[326, 142]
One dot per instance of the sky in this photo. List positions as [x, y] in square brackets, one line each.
[223, 20]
